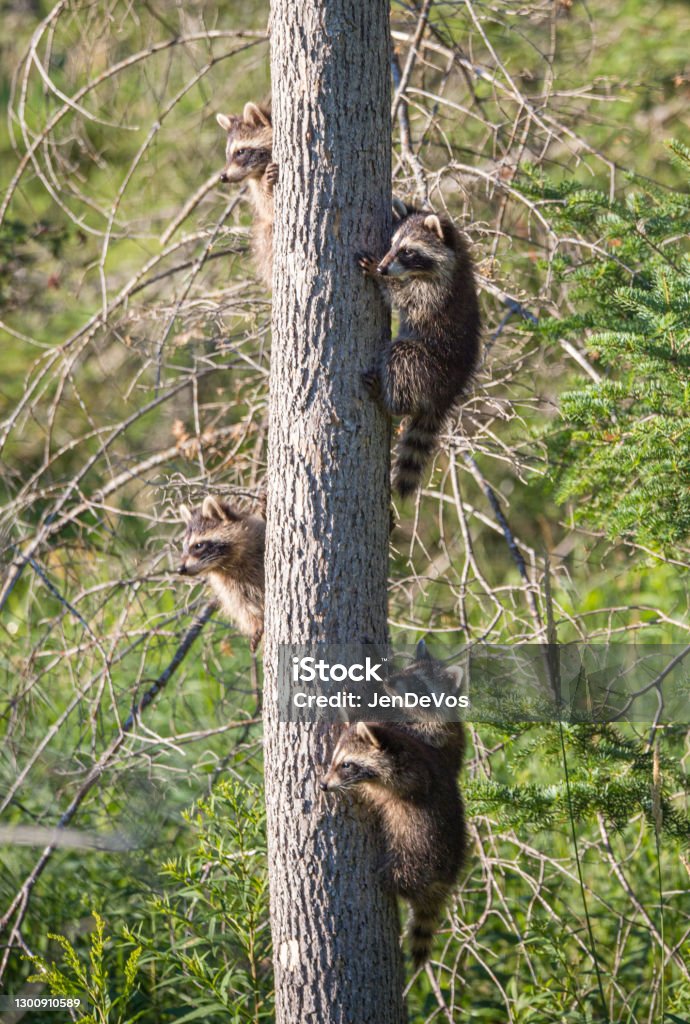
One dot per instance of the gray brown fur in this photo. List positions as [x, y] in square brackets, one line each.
[248, 154]
[227, 547]
[428, 277]
[423, 677]
[416, 796]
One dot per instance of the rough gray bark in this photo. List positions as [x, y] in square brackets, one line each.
[335, 930]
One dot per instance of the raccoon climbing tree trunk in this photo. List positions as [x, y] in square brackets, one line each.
[335, 932]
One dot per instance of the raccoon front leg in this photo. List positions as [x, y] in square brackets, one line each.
[394, 379]
[256, 639]
[263, 503]
[371, 379]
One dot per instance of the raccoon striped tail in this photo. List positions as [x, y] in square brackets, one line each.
[424, 922]
[414, 451]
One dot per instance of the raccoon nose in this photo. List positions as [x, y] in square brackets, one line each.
[223, 178]
[323, 786]
[382, 269]
[182, 569]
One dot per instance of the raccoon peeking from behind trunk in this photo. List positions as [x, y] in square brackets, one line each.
[248, 155]
[227, 546]
[428, 277]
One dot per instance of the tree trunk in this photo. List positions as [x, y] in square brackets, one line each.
[335, 928]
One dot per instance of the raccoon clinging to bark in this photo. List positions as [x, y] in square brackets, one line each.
[248, 156]
[227, 546]
[409, 777]
[428, 276]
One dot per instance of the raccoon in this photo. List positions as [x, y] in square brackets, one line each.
[416, 797]
[428, 277]
[427, 676]
[228, 547]
[248, 156]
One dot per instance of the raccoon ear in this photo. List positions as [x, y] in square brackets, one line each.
[432, 223]
[185, 514]
[422, 652]
[456, 675]
[211, 508]
[226, 123]
[400, 210]
[255, 116]
[368, 734]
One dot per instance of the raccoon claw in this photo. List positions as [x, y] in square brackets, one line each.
[271, 174]
[367, 263]
[372, 383]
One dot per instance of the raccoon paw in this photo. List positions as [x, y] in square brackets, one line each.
[262, 501]
[271, 174]
[368, 264]
[372, 383]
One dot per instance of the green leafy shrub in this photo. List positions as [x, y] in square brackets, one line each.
[622, 451]
[91, 980]
[206, 947]
[202, 947]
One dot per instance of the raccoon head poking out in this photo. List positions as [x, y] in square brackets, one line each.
[227, 547]
[377, 756]
[216, 538]
[248, 157]
[424, 248]
[354, 759]
[249, 144]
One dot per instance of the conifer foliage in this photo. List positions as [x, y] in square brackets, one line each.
[622, 450]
